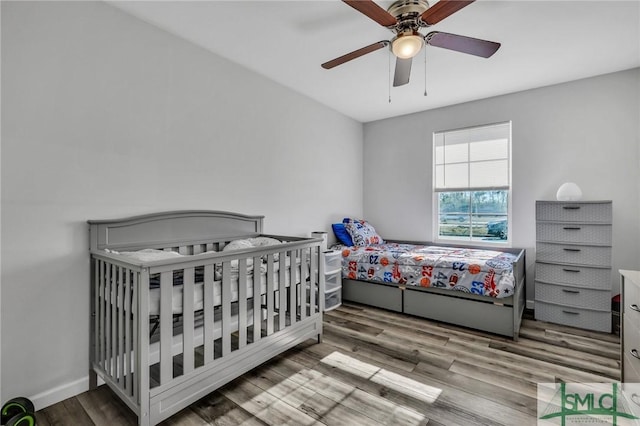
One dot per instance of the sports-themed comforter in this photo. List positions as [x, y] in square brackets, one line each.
[483, 272]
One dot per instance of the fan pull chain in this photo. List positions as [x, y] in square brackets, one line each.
[425, 72]
[389, 78]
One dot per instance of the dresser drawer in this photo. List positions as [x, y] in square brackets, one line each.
[631, 302]
[582, 276]
[574, 233]
[631, 339]
[575, 317]
[574, 212]
[631, 388]
[573, 296]
[572, 254]
[631, 375]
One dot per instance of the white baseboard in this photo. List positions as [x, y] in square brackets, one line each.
[62, 392]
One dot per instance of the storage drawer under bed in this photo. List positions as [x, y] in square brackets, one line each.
[373, 294]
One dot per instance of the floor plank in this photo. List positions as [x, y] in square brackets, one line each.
[376, 367]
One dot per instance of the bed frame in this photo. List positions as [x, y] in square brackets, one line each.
[500, 316]
[196, 352]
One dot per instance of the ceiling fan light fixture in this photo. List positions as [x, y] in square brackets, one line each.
[407, 46]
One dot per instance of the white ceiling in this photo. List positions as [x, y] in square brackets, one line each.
[543, 43]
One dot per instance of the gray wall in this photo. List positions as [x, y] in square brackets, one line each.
[584, 131]
[105, 116]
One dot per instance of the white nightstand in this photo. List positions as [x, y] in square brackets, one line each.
[332, 279]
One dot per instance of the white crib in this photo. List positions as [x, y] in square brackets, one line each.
[165, 333]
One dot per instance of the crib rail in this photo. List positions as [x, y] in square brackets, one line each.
[210, 307]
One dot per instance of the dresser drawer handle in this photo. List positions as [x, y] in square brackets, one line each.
[634, 353]
[571, 207]
[570, 291]
[635, 399]
[572, 313]
[571, 249]
[572, 228]
[634, 307]
[570, 270]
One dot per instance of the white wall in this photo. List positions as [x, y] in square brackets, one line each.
[105, 116]
[584, 131]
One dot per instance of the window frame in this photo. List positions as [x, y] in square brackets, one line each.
[470, 241]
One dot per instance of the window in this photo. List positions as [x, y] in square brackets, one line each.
[472, 184]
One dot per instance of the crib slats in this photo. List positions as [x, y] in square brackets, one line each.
[166, 326]
[257, 300]
[226, 307]
[135, 320]
[242, 302]
[142, 343]
[208, 314]
[127, 331]
[303, 284]
[188, 319]
[292, 286]
[282, 290]
[270, 295]
[121, 314]
[107, 325]
[313, 282]
[113, 343]
[100, 306]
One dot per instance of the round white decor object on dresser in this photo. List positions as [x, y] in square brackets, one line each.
[569, 191]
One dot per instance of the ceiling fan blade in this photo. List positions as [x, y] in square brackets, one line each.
[373, 11]
[442, 9]
[403, 71]
[472, 46]
[355, 54]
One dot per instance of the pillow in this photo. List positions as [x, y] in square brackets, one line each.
[238, 245]
[264, 241]
[341, 234]
[362, 233]
[148, 255]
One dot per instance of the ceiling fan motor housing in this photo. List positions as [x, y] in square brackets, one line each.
[407, 13]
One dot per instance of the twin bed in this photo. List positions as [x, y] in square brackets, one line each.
[473, 287]
[184, 302]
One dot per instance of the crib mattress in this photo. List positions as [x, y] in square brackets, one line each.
[198, 291]
[482, 272]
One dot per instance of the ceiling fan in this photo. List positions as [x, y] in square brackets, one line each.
[405, 18]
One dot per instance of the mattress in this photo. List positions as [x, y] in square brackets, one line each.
[198, 290]
[477, 271]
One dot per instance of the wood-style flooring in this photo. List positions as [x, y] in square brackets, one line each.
[377, 367]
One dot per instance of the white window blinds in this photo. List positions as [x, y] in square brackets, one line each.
[473, 159]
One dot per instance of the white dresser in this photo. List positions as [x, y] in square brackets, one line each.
[630, 323]
[573, 263]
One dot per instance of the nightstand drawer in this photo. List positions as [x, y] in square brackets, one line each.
[573, 296]
[332, 299]
[575, 317]
[332, 261]
[573, 254]
[574, 212]
[598, 278]
[332, 281]
[574, 233]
